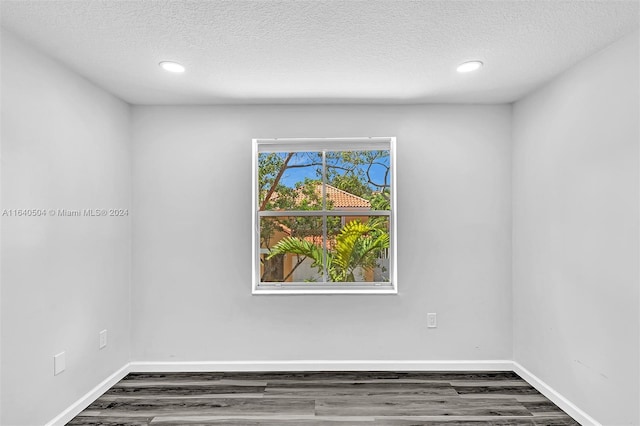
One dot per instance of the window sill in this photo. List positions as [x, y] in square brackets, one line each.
[306, 289]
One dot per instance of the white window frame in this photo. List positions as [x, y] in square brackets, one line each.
[323, 144]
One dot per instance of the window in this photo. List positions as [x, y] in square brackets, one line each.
[324, 216]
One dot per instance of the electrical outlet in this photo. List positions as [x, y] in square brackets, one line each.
[432, 321]
[103, 339]
[59, 363]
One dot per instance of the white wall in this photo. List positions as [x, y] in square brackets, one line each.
[575, 259]
[192, 238]
[65, 144]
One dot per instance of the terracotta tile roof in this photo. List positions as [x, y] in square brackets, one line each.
[341, 199]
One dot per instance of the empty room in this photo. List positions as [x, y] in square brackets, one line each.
[323, 212]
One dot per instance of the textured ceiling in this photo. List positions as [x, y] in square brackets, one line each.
[319, 51]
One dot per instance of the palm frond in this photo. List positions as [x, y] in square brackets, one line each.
[357, 244]
[298, 246]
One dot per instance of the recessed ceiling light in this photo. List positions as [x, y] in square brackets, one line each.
[171, 66]
[469, 66]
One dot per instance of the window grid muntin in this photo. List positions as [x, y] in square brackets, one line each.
[324, 217]
[336, 145]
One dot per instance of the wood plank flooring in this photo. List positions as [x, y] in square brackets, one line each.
[323, 398]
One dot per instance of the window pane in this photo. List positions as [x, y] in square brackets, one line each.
[272, 268]
[359, 250]
[323, 215]
[358, 180]
[290, 181]
[291, 249]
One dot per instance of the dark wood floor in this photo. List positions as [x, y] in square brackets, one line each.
[323, 398]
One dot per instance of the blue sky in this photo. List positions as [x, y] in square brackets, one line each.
[291, 176]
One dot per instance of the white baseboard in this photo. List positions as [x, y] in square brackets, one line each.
[323, 365]
[571, 409]
[86, 400]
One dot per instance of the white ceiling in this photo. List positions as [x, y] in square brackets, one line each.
[319, 51]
